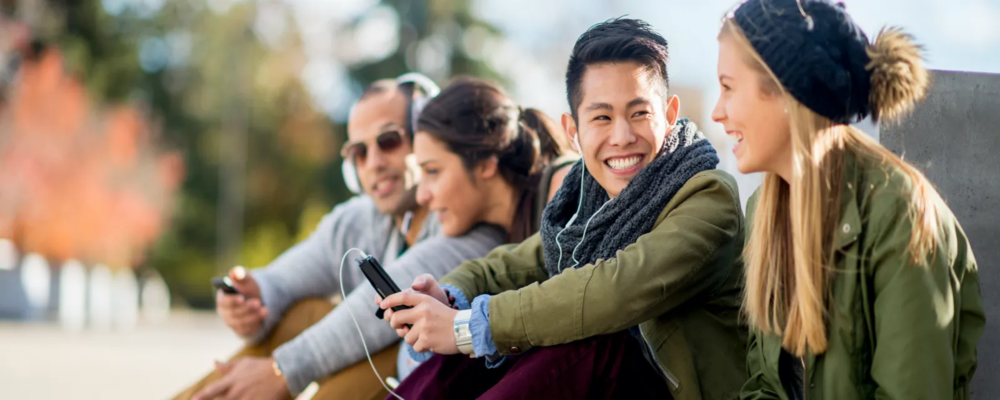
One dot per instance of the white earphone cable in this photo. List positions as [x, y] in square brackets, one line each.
[357, 325]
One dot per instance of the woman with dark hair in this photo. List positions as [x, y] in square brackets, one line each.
[485, 160]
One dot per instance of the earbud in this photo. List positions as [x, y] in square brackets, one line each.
[576, 143]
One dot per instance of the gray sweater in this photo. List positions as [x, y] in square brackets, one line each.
[310, 269]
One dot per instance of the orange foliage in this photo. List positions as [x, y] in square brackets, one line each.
[77, 180]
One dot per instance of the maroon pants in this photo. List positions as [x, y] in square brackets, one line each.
[602, 367]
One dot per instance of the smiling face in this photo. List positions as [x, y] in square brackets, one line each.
[752, 113]
[456, 194]
[622, 122]
[377, 124]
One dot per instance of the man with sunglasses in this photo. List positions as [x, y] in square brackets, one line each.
[294, 334]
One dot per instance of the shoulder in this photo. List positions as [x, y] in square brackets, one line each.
[890, 194]
[711, 196]
[475, 243]
[712, 185]
[357, 212]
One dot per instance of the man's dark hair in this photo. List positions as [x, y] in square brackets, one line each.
[616, 40]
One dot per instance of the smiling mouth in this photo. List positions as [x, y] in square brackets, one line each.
[384, 186]
[623, 163]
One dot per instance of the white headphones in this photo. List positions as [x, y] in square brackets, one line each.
[579, 206]
[424, 89]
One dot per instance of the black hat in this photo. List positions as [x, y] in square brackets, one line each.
[816, 51]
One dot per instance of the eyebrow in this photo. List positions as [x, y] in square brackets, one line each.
[724, 76]
[426, 162]
[638, 101]
[386, 126]
[599, 106]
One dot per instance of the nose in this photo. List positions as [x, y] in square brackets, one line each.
[376, 158]
[719, 112]
[424, 193]
[621, 134]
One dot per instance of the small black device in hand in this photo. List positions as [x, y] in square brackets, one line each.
[381, 281]
[224, 284]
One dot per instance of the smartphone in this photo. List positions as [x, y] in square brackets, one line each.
[224, 284]
[380, 280]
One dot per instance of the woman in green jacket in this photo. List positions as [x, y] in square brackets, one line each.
[860, 282]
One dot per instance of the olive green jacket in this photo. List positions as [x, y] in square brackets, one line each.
[896, 330]
[681, 283]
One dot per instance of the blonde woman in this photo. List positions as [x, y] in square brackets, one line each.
[860, 283]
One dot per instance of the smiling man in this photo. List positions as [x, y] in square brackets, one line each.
[294, 334]
[638, 258]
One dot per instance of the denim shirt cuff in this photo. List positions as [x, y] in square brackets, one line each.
[482, 336]
[418, 357]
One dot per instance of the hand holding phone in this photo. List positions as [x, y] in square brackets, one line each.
[380, 280]
[224, 284]
[238, 302]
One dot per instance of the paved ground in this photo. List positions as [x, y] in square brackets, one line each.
[41, 361]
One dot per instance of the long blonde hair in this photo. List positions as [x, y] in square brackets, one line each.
[789, 256]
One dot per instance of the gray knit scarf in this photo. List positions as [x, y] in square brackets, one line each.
[631, 214]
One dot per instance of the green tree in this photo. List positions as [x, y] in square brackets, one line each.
[260, 156]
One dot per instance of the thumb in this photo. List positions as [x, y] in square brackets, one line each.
[423, 282]
[222, 367]
[244, 282]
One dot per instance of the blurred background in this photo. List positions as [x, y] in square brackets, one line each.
[148, 145]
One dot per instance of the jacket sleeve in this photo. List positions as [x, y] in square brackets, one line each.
[660, 272]
[507, 267]
[914, 310]
[757, 387]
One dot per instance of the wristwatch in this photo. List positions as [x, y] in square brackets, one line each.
[463, 336]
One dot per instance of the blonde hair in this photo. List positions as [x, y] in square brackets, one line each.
[789, 256]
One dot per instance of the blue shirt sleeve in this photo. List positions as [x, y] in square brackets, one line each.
[482, 336]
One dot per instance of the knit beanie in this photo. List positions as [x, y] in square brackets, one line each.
[825, 61]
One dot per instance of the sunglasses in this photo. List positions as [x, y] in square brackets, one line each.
[386, 142]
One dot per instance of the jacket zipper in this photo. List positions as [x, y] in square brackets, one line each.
[805, 379]
[663, 371]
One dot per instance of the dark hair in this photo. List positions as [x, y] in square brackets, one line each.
[477, 120]
[411, 91]
[612, 41]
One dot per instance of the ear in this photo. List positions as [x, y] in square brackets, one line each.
[488, 168]
[569, 126]
[673, 110]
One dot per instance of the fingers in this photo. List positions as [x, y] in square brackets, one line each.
[402, 317]
[387, 314]
[404, 298]
[237, 309]
[238, 273]
[378, 299]
[413, 339]
[244, 282]
[423, 282]
[222, 367]
[402, 332]
[214, 390]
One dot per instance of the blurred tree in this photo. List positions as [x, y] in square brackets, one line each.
[253, 97]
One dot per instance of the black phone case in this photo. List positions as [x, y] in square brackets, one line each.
[381, 281]
[220, 283]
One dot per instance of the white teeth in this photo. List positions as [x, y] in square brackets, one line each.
[623, 163]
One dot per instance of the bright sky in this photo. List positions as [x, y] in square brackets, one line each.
[958, 35]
